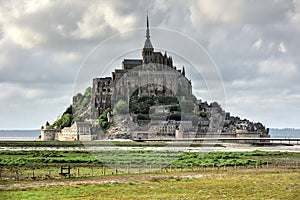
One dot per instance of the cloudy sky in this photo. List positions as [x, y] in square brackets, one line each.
[44, 46]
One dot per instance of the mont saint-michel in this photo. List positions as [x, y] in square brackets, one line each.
[146, 98]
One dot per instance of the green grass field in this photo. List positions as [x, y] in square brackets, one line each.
[238, 185]
[36, 158]
[248, 175]
[40, 165]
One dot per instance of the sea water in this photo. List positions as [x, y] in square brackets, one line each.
[285, 133]
[28, 135]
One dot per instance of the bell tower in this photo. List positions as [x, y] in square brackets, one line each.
[148, 50]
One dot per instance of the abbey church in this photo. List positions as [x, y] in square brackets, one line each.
[154, 74]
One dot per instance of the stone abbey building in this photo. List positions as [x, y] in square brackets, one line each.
[153, 74]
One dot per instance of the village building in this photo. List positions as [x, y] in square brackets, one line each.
[79, 131]
[170, 128]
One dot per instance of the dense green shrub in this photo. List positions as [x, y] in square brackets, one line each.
[103, 120]
[202, 113]
[66, 119]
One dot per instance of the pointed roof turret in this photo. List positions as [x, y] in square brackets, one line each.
[148, 44]
[183, 71]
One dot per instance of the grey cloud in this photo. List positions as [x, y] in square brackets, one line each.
[45, 66]
[22, 66]
[240, 12]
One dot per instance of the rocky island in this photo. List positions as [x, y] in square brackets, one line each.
[147, 98]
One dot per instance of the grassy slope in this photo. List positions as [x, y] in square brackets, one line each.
[262, 185]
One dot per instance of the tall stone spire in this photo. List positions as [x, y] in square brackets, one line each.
[147, 30]
[148, 44]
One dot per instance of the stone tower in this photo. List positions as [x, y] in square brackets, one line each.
[148, 50]
[48, 133]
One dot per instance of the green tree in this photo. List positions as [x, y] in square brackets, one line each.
[66, 120]
[87, 92]
[104, 114]
[143, 117]
[104, 124]
[174, 107]
[103, 120]
[81, 105]
[69, 110]
[202, 113]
